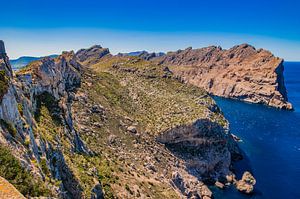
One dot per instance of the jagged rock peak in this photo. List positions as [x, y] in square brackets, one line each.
[2, 47]
[4, 60]
[95, 51]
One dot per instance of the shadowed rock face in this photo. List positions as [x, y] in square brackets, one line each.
[4, 61]
[95, 52]
[2, 48]
[205, 146]
[241, 72]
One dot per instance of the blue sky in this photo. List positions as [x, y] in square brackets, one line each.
[46, 27]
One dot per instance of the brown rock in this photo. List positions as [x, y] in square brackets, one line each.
[241, 72]
[7, 190]
[246, 184]
[205, 191]
[219, 185]
[132, 129]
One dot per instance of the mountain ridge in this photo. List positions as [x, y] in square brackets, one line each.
[77, 122]
[241, 72]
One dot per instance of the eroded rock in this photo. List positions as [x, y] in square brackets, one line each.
[246, 184]
[241, 72]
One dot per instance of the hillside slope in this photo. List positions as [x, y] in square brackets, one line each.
[112, 127]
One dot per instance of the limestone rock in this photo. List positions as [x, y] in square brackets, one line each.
[97, 192]
[219, 185]
[189, 186]
[209, 143]
[246, 184]
[241, 72]
[132, 129]
[95, 52]
[2, 48]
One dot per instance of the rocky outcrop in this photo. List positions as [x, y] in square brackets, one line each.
[190, 186]
[204, 145]
[94, 53]
[51, 83]
[4, 60]
[246, 184]
[242, 73]
[59, 78]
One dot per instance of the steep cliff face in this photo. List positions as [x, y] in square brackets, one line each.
[37, 125]
[241, 72]
[112, 126]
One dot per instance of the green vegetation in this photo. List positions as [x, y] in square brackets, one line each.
[11, 170]
[20, 108]
[128, 189]
[44, 167]
[48, 101]
[132, 92]
[107, 178]
[9, 127]
[3, 84]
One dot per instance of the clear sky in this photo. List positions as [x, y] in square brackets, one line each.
[43, 27]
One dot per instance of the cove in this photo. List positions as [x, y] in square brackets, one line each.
[271, 142]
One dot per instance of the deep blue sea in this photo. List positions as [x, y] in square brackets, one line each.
[271, 143]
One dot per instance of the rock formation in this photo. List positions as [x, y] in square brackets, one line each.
[246, 184]
[94, 53]
[2, 48]
[49, 84]
[93, 125]
[241, 72]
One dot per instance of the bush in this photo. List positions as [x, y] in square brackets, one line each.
[20, 109]
[3, 84]
[11, 170]
[9, 127]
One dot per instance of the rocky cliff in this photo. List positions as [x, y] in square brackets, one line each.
[241, 72]
[93, 125]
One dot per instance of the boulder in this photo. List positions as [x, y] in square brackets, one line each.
[132, 129]
[246, 184]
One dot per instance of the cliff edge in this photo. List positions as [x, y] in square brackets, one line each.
[93, 125]
[241, 72]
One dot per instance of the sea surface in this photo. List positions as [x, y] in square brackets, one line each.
[271, 143]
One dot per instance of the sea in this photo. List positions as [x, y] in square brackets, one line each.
[270, 143]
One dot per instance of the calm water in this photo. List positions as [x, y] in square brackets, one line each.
[271, 142]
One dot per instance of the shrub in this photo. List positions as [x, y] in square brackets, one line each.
[9, 127]
[11, 170]
[3, 84]
[20, 109]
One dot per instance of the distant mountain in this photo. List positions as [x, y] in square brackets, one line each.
[25, 60]
[143, 54]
